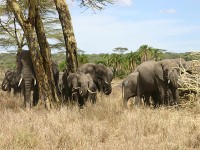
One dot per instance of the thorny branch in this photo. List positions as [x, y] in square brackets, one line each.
[95, 4]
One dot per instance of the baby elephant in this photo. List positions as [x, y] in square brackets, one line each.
[129, 87]
[80, 87]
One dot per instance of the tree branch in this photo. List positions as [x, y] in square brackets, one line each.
[17, 12]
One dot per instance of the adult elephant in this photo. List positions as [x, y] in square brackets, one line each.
[26, 77]
[167, 73]
[80, 87]
[159, 77]
[9, 82]
[100, 74]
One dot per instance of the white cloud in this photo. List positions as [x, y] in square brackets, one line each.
[100, 34]
[125, 2]
[168, 11]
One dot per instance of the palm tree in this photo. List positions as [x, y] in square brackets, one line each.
[145, 52]
[157, 53]
[133, 60]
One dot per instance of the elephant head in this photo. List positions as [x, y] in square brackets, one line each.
[86, 85]
[168, 73]
[10, 81]
[129, 87]
[100, 75]
[7, 81]
[80, 86]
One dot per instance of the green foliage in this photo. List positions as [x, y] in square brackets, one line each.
[120, 50]
[62, 66]
[123, 64]
[82, 59]
[7, 61]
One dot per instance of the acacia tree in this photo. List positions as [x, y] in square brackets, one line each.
[42, 68]
[68, 33]
[33, 29]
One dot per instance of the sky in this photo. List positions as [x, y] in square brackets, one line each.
[172, 25]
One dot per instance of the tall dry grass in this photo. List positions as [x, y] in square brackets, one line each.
[105, 125]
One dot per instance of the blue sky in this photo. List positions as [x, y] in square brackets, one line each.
[173, 25]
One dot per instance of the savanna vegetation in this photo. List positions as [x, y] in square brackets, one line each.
[104, 125]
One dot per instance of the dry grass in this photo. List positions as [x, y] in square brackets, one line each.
[106, 125]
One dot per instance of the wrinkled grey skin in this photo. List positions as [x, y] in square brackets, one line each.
[129, 89]
[80, 87]
[65, 85]
[101, 76]
[167, 73]
[158, 77]
[60, 85]
[147, 81]
[25, 73]
[9, 82]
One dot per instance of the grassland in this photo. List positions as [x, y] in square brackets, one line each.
[105, 125]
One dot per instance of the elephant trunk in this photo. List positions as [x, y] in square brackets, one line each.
[27, 92]
[4, 86]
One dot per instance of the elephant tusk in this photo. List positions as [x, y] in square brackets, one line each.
[91, 91]
[81, 92]
[168, 81]
[34, 81]
[106, 82]
[20, 82]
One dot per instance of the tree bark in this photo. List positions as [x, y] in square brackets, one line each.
[37, 60]
[70, 41]
[46, 53]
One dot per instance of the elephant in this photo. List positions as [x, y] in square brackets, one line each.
[26, 77]
[129, 89]
[159, 77]
[80, 87]
[64, 87]
[167, 73]
[100, 74]
[9, 82]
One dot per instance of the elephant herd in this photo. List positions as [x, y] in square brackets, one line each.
[79, 86]
[155, 79]
[84, 84]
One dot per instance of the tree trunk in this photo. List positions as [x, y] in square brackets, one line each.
[46, 54]
[37, 60]
[70, 41]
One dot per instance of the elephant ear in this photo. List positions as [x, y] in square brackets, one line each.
[102, 72]
[159, 72]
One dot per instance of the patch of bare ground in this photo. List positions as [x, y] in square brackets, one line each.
[105, 125]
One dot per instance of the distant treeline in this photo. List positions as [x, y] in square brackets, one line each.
[122, 64]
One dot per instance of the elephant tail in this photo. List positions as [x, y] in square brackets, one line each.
[122, 90]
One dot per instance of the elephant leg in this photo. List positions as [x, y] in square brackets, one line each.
[140, 93]
[175, 95]
[35, 95]
[147, 98]
[156, 99]
[81, 102]
[93, 98]
[163, 88]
